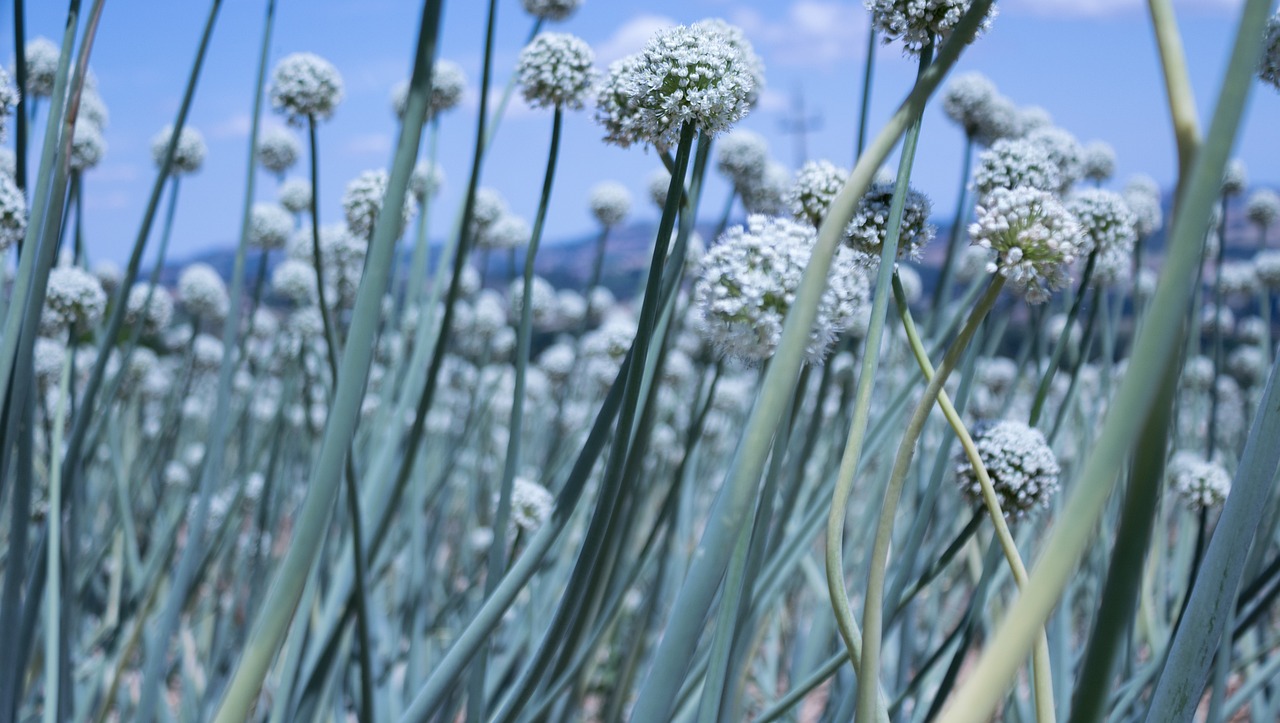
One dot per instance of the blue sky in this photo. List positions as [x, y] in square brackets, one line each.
[1091, 63]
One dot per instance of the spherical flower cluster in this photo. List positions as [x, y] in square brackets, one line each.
[1108, 227]
[742, 156]
[187, 156]
[531, 504]
[278, 150]
[556, 70]
[1266, 264]
[1023, 469]
[13, 213]
[1235, 178]
[1200, 483]
[1238, 278]
[304, 85]
[448, 83]
[543, 302]
[8, 100]
[1030, 119]
[553, 10]
[815, 187]
[687, 74]
[768, 193]
[866, 232]
[658, 183]
[270, 226]
[1142, 194]
[749, 279]
[93, 109]
[362, 201]
[508, 232]
[42, 66]
[1269, 65]
[295, 280]
[87, 147]
[919, 21]
[1099, 161]
[203, 292]
[153, 315]
[610, 202]
[1263, 207]
[1010, 163]
[426, 180]
[8, 162]
[1035, 237]
[74, 297]
[967, 99]
[295, 195]
[753, 64]
[47, 359]
[1064, 151]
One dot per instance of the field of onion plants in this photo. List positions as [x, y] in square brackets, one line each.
[797, 475]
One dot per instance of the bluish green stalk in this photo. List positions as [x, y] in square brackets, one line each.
[1191, 653]
[291, 576]
[53, 598]
[497, 550]
[698, 591]
[868, 73]
[873, 604]
[1060, 346]
[1136, 396]
[20, 110]
[852, 455]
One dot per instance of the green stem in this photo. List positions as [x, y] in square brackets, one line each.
[873, 610]
[862, 406]
[282, 598]
[1136, 397]
[1060, 347]
[497, 549]
[702, 581]
[52, 628]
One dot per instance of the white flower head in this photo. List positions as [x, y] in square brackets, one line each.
[74, 297]
[13, 213]
[426, 180]
[749, 279]
[1269, 64]
[1235, 178]
[1064, 151]
[1023, 469]
[189, 153]
[295, 195]
[203, 292]
[270, 226]
[42, 66]
[277, 150]
[1013, 162]
[88, 146]
[1201, 484]
[1108, 226]
[692, 74]
[972, 102]
[1035, 238]
[556, 69]
[554, 10]
[8, 101]
[742, 156]
[1263, 207]
[1099, 160]
[531, 504]
[918, 21]
[304, 85]
[815, 187]
[768, 193]
[150, 306]
[610, 202]
[362, 201]
[1142, 194]
[867, 231]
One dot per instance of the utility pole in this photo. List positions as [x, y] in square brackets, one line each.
[799, 124]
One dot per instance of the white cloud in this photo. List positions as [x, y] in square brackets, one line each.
[1104, 8]
[369, 144]
[813, 33]
[630, 37]
[236, 126]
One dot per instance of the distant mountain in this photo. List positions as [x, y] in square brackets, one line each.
[566, 263]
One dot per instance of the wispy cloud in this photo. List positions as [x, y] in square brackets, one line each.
[235, 126]
[812, 33]
[369, 144]
[1103, 8]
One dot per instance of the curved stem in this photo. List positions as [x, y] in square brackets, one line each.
[1042, 679]
[873, 611]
